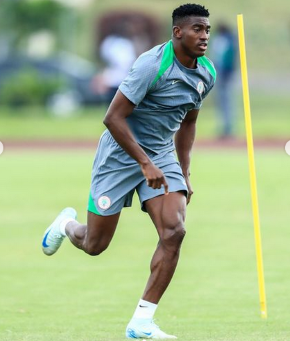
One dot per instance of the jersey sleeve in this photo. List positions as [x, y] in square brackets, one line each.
[140, 78]
[205, 93]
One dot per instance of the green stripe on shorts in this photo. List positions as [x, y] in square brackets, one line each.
[92, 207]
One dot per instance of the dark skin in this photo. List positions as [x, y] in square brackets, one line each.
[190, 40]
[166, 211]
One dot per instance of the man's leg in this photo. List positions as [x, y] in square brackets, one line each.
[92, 238]
[168, 214]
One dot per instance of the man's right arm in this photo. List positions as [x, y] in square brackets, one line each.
[115, 121]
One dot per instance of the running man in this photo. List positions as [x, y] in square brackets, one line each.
[159, 99]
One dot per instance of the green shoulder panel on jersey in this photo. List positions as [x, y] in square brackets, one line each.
[168, 57]
[204, 61]
[167, 60]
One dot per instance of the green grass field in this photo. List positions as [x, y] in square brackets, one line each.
[214, 294]
[270, 116]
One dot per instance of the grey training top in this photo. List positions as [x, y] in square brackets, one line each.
[164, 91]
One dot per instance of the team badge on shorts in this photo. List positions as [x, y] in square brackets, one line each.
[200, 87]
[104, 202]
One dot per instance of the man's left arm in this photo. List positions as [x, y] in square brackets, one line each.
[184, 139]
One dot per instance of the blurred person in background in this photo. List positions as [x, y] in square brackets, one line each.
[157, 102]
[223, 53]
[117, 51]
[120, 37]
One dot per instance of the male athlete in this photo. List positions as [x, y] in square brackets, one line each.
[160, 98]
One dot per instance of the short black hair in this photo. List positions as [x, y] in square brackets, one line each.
[188, 10]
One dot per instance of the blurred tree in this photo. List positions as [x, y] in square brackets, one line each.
[29, 87]
[21, 18]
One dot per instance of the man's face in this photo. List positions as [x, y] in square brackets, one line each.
[193, 35]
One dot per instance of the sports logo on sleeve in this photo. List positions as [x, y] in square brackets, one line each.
[200, 87]
[104, 202]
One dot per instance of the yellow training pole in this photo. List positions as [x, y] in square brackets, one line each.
[252, 166]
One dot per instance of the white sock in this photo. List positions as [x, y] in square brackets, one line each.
[145, 310]
[63, 225]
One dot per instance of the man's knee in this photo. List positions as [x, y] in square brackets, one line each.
[95, 249]
[173, 234]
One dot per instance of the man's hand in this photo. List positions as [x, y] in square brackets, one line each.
[189, 188]
[154, 176]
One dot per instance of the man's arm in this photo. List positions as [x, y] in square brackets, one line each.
[115, 121]
[184, 139]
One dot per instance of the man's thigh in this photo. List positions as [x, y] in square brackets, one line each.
[174, 178]
[167, 211]
[100, 230]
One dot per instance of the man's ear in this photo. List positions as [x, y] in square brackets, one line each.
[177, 32]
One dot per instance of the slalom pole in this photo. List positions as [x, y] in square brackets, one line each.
[252, 170]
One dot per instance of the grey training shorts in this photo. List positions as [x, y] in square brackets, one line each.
[116, 176]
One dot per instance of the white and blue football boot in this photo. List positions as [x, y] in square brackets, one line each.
[53, 238]
[145, 329]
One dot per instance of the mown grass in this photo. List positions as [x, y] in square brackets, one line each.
[270, 117]
[214, 294]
